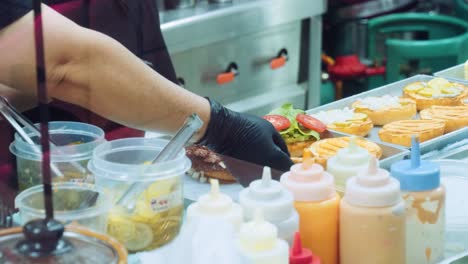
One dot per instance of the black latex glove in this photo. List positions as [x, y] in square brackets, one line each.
[246, 137]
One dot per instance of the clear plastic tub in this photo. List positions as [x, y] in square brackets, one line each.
[79, 203]
[158, 212]
[76, 144]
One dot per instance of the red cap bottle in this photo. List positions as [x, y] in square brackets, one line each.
[300, 255]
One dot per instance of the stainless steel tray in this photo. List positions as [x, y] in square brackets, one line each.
[395, 88]
[444, 147]
[455, 73]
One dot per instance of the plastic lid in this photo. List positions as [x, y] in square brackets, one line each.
[300, 255]
[373, 187]
[416, 174]
[309, 183]
[353, 155]
[214, 202]
[276, 202]
[258, 235]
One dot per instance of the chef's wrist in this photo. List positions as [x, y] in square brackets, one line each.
[214, 134]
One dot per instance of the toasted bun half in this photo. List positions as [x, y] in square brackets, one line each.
[400, 132]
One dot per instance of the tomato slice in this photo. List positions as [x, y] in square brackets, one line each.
[311, 123]
[278, 121]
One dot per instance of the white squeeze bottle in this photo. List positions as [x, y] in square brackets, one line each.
[347, 163]
[372, 219]
[216, 204]
[258, 243]
[276, 203]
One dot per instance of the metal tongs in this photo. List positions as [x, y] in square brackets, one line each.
[15, 118]
[192, 124]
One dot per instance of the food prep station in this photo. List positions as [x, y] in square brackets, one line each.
[262, 54]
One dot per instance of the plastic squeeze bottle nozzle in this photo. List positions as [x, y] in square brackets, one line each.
[347, 163]
[425, 207]
[258, 242]
[317, 204]
[276, 203]
[372, 219]
[216, 204]
[300, 255]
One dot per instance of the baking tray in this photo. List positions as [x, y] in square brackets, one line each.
[453, 145]
[395, 88]
[455, 73]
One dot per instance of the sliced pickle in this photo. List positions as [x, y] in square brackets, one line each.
[414, 87]
[359, 116]
[427, 92]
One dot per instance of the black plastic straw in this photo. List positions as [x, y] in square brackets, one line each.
[43, 108]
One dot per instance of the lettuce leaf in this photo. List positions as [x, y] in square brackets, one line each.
[295, 132]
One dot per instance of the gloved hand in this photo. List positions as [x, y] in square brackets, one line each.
[246, 137]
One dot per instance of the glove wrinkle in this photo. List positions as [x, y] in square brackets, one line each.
[245, 137]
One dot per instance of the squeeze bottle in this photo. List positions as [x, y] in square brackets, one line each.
[317, 204]
[372, 219]
[300, 255]
[258, 243]
[347, 163]
[425, 207]
[216, 204]
[276, 203]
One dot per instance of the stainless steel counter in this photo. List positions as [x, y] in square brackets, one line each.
[226, 33]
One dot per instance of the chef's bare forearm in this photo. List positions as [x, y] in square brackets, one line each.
[92, 70]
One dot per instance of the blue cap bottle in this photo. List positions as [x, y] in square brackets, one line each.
[425, 207]
[416, 174]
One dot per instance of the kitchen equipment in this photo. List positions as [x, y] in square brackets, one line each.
[254, 54]
[12, 115]
[86, 247]
[191, 125]
[394, 89]
[75, 143]
[70, 205]
[157, 216]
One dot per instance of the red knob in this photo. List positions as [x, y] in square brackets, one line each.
[225, 77]
[277, 62]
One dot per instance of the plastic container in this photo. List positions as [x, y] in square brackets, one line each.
[88, 247]
[372, 219]
[425, 207]
[317, 204]
[276, 203]
[76, 144]
[158, 212]
[455, 180]
[216, 205]
[70, 205]
[258, 243]
[347, 163]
